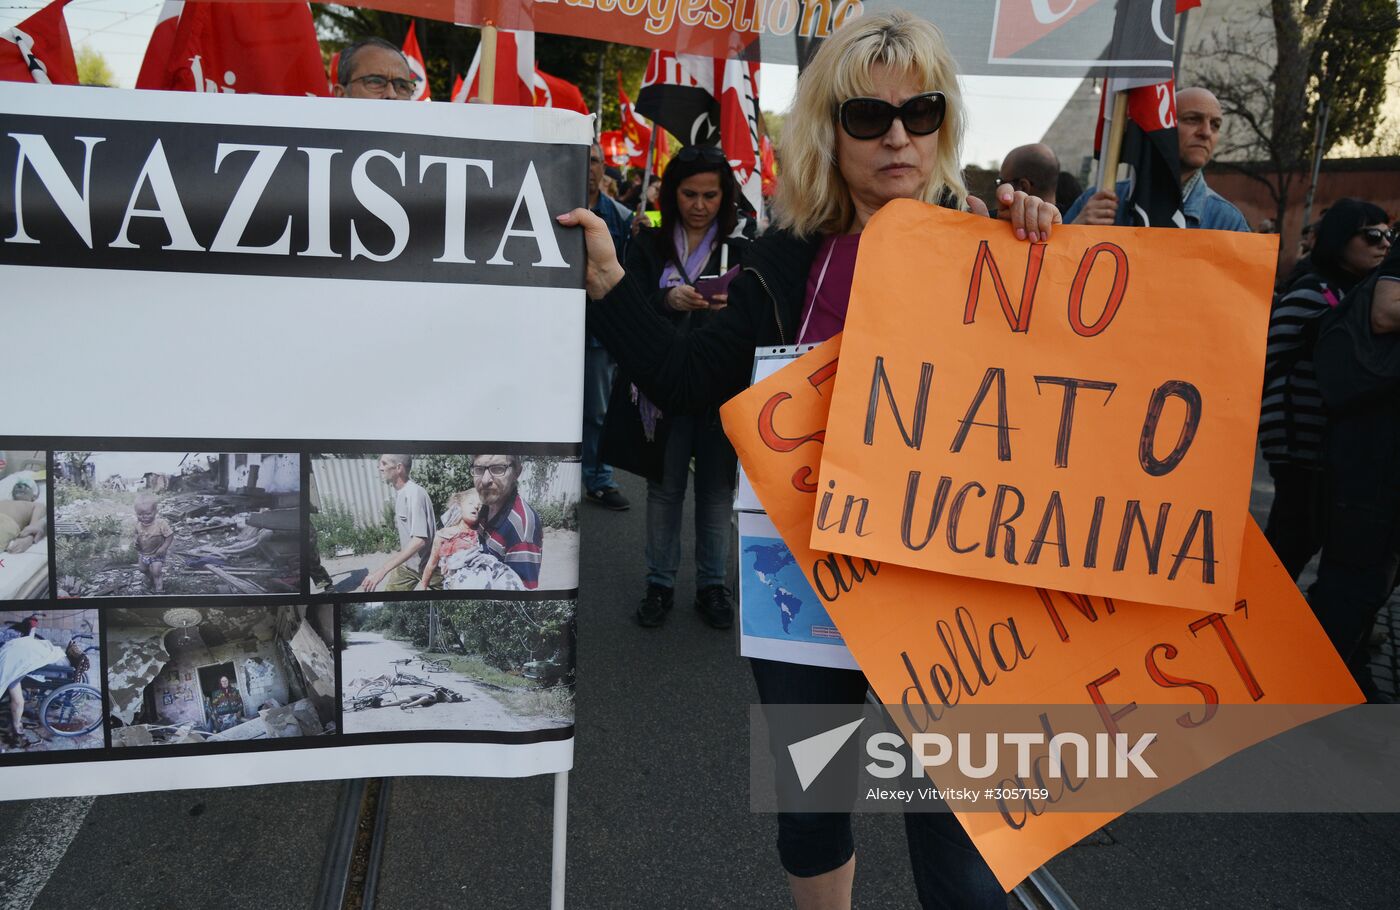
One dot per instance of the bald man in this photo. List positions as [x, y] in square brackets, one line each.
[1198, 119]
[1033, 169]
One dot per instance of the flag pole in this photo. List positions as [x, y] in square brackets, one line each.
[646, 175]
[1113, 144]
[486, 75]
[598, 120]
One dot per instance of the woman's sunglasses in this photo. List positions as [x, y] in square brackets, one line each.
[1377, 236]
[712, 154]
[871, 118]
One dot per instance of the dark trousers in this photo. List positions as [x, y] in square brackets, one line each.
[949, 873]
[1294, 528]
[1361, 545]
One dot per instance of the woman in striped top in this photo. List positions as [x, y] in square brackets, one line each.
[1351, 240]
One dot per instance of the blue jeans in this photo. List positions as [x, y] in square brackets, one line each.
[949, 873]
[598, 369]
[703, 438]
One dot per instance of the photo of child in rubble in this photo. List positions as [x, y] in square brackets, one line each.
[24, 525]
[457, 665]
[50, 681]
[185, 675]
[154, 523]
[486, 522]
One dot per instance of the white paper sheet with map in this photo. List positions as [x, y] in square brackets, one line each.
[780, 616]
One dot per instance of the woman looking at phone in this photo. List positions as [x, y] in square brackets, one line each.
[698, 214]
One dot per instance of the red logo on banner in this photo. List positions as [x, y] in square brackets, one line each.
[1021, 23]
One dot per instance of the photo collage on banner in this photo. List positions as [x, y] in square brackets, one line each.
[232, 598]
[344, 514]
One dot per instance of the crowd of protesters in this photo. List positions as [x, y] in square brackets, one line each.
[1333, 455]
[1330, 417]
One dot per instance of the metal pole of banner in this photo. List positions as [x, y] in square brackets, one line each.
[1180, 41]
[486, 76]
[561, 830]
[646, 175]
[598, 120]
[1318, 146]
[1113, 145]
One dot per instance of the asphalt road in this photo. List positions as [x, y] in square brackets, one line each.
[659, 813]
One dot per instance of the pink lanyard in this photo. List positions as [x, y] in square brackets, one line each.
[816, 293]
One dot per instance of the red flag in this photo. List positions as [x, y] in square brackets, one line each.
[414, 56]
[515, 69]
[739, 135]
[634, 129]
[551, 91]
[247, 48]
[161, 46]
[614, 147]
[39, 49]
[458, 90]
[768, 169]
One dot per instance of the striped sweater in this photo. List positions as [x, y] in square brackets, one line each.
[1292, 418]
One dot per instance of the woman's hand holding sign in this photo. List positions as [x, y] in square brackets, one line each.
[1031, 216]
[604, 271]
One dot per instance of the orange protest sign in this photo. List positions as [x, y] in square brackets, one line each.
[935, 645]
[1078, 414]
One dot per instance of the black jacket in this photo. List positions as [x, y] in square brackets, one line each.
[686, 372]
[624, 441]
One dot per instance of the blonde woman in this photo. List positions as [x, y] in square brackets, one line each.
[877, 117]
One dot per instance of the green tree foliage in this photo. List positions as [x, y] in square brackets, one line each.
[93, 68]
[1347, 68]
[505, 634]
[442, 476]
[1273, 66]
[508, 634]
[448, 50]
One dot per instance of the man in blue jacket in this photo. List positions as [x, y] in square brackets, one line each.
[1198, 119]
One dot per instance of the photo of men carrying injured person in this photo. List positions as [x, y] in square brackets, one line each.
[130, 524]
[457, 665]
[184, 675]
[484, 522]
[24, 525]
[50, 681]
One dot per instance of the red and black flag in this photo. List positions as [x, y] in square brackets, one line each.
[39, 49]
[1150, 147]
[1151, 153]
[678, 93]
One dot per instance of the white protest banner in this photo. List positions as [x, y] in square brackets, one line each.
[223, 312]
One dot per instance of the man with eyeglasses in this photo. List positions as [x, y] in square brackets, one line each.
[374, 68]
[598, 365]
[416, 524]
[511, 528]
[1198, 122]
[1033, 169]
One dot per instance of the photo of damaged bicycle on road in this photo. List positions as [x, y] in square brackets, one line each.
[457, 665]
[131, 524]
